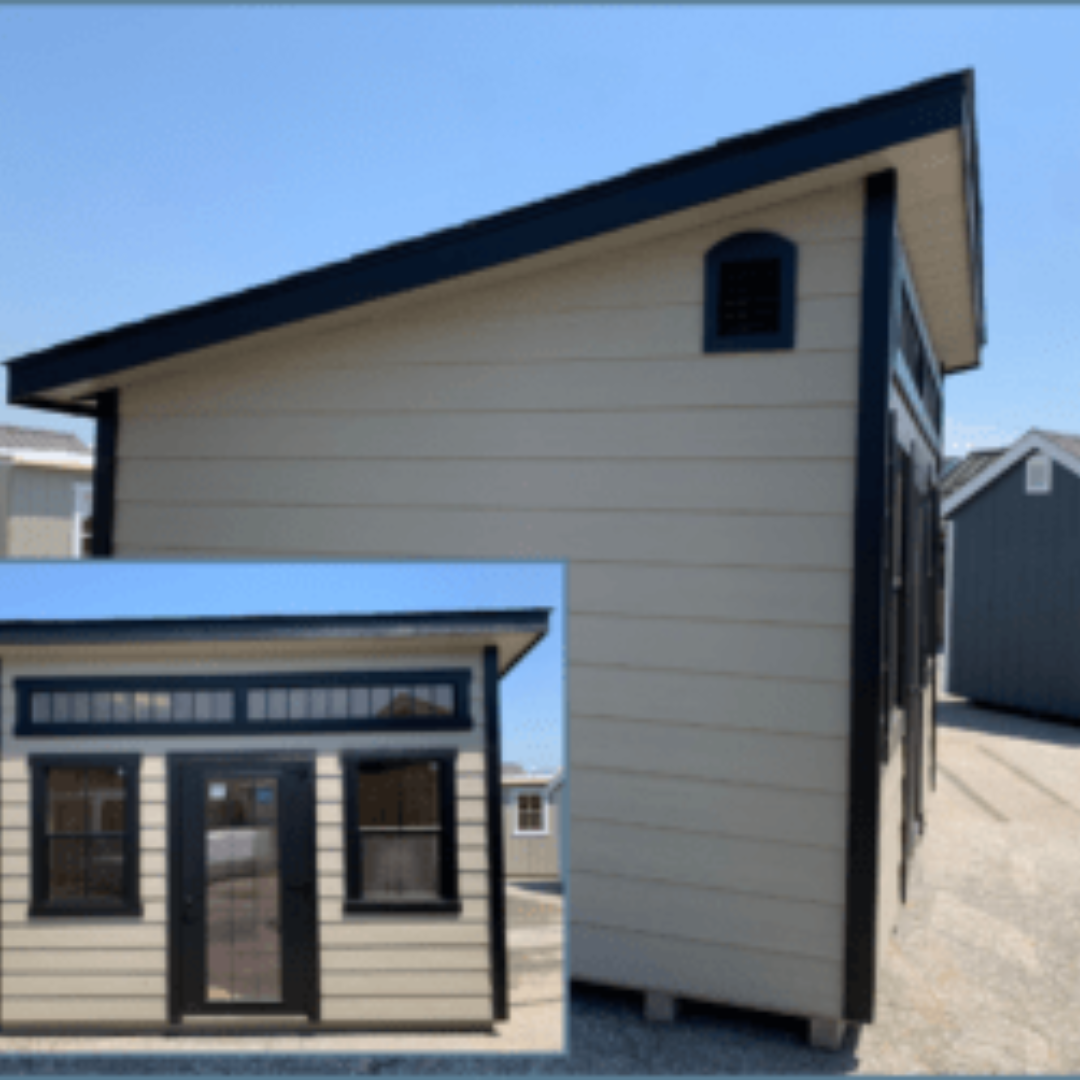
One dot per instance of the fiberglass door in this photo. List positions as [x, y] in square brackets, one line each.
[244, 908]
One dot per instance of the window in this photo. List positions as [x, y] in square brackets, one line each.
[750, 294]
[85, 835]
[401, 832]
[436, 700]
[1040, 474]
[531, 814]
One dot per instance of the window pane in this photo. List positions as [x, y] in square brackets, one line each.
[444, 698]
[183, 706]
[530, 813]
[380, 701]
[339, 703]
[750, 297]
[404, 701]
[204, 706]
[67, 869]
[61, 708]
[41, 708]
[105, 870]
[434, 699]
[278, 705]
[160, 706]
[320, 706]
[299, 705]
[359, 703]
[123, 707]
[420, 795]
[224, 704]
[105, 793]
[257, 705]
[100, 707]
[379, 792]
[66, 801]
[142, 706]
[80, 707]
[400, 867]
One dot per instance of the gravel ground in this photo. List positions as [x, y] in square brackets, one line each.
[983, 976]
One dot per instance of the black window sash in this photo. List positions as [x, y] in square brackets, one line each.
[448, 900]
[41, 904]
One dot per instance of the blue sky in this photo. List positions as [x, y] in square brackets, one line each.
[533, 698]
[154, 157]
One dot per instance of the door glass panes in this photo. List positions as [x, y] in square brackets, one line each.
[243, 891]
[85, 816]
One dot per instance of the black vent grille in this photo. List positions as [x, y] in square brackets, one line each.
[750, 300]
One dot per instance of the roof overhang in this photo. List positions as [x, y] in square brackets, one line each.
[926, 132]
[1034, 442]
[514, 632]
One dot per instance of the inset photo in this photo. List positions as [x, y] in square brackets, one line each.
[283, 807]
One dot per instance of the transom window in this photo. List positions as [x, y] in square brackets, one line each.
[531, 813]
[85, 835]
[401, 847]
[404, 701]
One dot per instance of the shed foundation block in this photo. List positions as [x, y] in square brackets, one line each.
[827, 1034]
[660, 1008]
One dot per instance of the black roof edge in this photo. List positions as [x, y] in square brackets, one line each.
[727, 168]
[268, 627]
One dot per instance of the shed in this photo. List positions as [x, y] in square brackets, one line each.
[1013, 583]
[531, 824]
[713, 385]
[266, 821]
[45, 494]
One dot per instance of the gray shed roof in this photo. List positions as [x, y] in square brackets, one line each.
[23, 438]
[967, 470]
[1069, 443]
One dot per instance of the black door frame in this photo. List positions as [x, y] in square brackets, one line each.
[297, 837]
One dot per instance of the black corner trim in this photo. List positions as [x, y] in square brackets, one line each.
[108, 423]
[496, 874]
[751, 245]
[868, 598]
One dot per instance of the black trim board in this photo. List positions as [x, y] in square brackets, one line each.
[108, 426]
[727, 168]
[868, 597]
[496, 871]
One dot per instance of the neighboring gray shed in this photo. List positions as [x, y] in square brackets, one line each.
[531, 824]
[1013, 600]
[45, 492]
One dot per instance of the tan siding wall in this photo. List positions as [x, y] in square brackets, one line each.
[529, 856]
[704, 502]
[413, 969]
[41, 512]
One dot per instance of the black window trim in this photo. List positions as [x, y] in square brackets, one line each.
[459, 678]
[737, 248]
[40, 905]
[450, 901]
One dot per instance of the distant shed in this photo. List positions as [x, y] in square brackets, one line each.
[531, 824]
[1013, 589]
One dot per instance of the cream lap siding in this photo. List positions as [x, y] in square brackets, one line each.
[704, 503]
[413, 970]
[42, 512]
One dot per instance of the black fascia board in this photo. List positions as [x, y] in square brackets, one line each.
[269, 627]
[731, 166]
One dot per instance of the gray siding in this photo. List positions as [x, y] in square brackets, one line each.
[41, 512]
[1015, 635]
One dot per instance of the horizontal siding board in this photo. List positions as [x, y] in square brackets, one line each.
[417, 959]
[382, 932]
[753, 704]
[16, 913]
[802, 432]
[583, 536]
[88, 985]
[474, 908]
[707, 753]
[806, 818]
[422, 1011]
[58, 1012]
[765, 868]
[89, 934]
[767, 650]
[57, 963]
[408, 984]
[775, 982]
[442, 386]
[738, 594]
[713, 915]
[749, 486]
